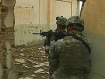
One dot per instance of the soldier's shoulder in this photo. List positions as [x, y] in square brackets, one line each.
[87, 40]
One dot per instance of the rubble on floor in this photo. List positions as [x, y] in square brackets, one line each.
[31, 62]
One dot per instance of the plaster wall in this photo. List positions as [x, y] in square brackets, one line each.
[93, 14]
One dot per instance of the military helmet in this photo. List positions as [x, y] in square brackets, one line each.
[76, 22]
[61, 20]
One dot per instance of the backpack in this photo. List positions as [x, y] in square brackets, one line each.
[74, 55]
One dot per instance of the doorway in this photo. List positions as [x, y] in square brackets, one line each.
[63, 8]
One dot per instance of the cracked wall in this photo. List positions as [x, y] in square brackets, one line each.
[93, 13]
[7, 22]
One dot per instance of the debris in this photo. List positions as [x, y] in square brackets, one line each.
[46, 63]
[21, 54]
[21, 78]
[39, 48]
[31, 62]
[33, 75]
[42, 76]
[39, 71]
[27, 78]
[39, 65]
[21, 50]
[42, 51]
[20, 60]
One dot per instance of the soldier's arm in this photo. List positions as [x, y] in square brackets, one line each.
[88, 69]
[55, 49]
[46, 45]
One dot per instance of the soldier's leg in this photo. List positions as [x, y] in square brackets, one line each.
[50, 67]
[53, 65]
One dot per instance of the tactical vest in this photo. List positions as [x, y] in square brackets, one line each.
[73, 57]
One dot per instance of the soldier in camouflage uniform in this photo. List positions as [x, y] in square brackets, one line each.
[72, 52]
[61, 25]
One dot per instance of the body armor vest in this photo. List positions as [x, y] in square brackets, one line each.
[73, 56]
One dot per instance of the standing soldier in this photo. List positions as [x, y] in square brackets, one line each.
[60, 33]
[72, 52]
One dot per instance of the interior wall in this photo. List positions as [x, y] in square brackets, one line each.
[36, 15]
[93, 13]
[61, 7]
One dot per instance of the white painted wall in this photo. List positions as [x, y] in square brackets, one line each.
[24, 34]
[26, 12]
[30, 15]
[63, 7]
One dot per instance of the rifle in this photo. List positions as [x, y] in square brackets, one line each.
[47, 34]
[50, 33]
[44, 33]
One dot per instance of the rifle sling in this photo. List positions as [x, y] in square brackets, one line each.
[78, 38]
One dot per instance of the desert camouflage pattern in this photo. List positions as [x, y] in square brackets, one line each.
[73, 57]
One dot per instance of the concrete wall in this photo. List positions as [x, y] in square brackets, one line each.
[93, 14]
[24, 34]
[30, 16]
[41, 14]
[67, 8]
[30, 12]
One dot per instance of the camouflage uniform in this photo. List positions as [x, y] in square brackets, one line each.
[53, 63]
[72, 54]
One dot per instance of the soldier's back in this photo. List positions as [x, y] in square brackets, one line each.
[73, 58]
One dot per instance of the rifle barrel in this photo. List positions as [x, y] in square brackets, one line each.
[36, 33]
